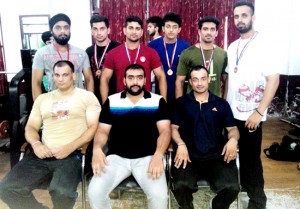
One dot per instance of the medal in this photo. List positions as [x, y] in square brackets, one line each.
[128, 55]
[99, 62]
[170, 72]
[170, 62]
[98, 73]
[239, 56]
[204, 61]
[235, 69]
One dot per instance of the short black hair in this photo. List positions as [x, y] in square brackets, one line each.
[197, 68]
[132, 18]
[61, 63]
[244, 3]
[99, 18]
[208, 19]
[171, 16]
[156, 21]
[134, 67]
[46, 36]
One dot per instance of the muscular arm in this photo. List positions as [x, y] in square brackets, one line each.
[182, 154]
[230, 148]
[162, 81]
[179, 85]
[36, 82]
[269, 92]
[99, 158]
[104, 83]
[88, 78]
[156, 168]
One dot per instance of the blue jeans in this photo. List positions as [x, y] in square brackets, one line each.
[221, 176]
[61, 177]
[252, 179]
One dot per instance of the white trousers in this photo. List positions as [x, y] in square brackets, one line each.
[119, 169]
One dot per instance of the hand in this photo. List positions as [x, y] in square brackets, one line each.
[253, 121]
[42, 151]
[156, 167]
[230, 150]
[61, 152]
[182, 156]
[99, 162]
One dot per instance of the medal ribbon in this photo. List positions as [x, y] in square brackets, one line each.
[203, 57]
[173, 54]
[238, 58]
[56, 48]
[128, 55]
[99, 62]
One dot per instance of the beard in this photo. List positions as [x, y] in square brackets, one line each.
[244, 29]
[152, 34]
[63, 40]
[135, 93]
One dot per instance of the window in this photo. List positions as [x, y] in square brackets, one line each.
[32, 27]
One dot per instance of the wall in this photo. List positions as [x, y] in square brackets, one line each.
[78, 11]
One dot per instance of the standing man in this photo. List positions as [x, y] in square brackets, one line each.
[132, 52]
[100, 31]
[169, 49]
[198, 123]
[138, 125]
[206, 54]
[69, 116]
[47, 56]
[252, 84]
[154, 27]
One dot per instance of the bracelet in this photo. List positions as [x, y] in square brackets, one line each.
[179, 144]
[259, 113]
[35, 143]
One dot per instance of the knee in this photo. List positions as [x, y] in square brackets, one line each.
[182, 185]
[96, 191]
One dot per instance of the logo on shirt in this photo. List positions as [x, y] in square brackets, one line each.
[60, 110]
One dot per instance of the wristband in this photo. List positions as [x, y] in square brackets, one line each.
[259, 113]
[179, 144]
[35, 143]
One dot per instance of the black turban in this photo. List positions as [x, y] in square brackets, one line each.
[58, 17]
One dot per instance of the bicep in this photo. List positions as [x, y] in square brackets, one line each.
[106, 74]
[37, 75]
[163, 125]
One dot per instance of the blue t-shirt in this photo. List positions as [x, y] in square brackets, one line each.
[158, 45]
[201, 127]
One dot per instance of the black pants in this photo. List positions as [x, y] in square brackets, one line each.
[222, 177]
[252, 179]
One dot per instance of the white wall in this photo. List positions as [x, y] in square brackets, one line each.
[77, 10]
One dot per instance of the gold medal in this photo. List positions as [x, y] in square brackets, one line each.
[235, 69]
[170, 72]
[98, 72]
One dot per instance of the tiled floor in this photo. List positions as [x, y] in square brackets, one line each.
[282, 180]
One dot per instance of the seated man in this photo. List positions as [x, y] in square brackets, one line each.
[138, 125]
[70, 118]
[202, 150]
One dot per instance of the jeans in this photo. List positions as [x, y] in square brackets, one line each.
[222, 177]
[119, 169]
[252, 179]
[61, 176]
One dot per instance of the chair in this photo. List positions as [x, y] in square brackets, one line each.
[202, 183]
[26, 148]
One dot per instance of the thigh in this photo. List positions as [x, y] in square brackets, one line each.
[27, 174]
[66, 175]
[117, 170]
[222, 175]
[149, 185]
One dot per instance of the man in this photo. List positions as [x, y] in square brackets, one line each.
[169, 49]
[154, 27]
[252, 84]
[202, 150]
[138, 124]
[206, 54]
[45, 57]
[131, 52]
[69, 116]
[100, 31]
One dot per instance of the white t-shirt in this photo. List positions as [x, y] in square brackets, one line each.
[246, 85]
